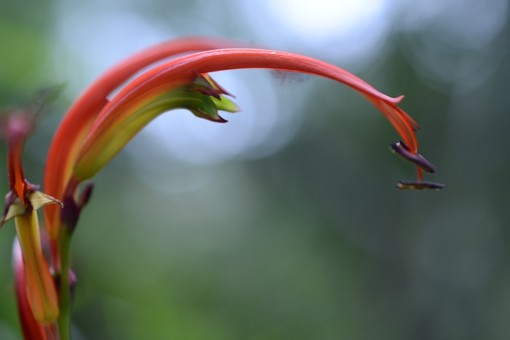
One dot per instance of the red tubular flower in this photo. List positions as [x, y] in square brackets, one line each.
[76, 123]
[95, 129]
[100, 145]
[22, 202]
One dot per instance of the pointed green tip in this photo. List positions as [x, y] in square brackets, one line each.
[225, 104]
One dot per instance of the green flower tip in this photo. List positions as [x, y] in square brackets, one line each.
[214, 98]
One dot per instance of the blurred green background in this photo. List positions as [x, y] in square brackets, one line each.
[284, 223]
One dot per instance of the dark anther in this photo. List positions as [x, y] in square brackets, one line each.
[409, 185]
[402, 150]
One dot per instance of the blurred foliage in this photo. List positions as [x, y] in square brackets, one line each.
[310, 242]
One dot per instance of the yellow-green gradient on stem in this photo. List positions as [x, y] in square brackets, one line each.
[159, 99]
[39, 285]
[32, 329]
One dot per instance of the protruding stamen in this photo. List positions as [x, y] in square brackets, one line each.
[402, 150]
[410, 185]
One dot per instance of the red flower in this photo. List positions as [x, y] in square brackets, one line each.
[95, 129]
[22, 202]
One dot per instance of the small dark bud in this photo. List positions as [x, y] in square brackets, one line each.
[72, 281]
[73, 205]
[85, 195]
[70, 213]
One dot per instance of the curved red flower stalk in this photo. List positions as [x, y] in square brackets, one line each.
[174, 73]
[77, 121]
[95, 130]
